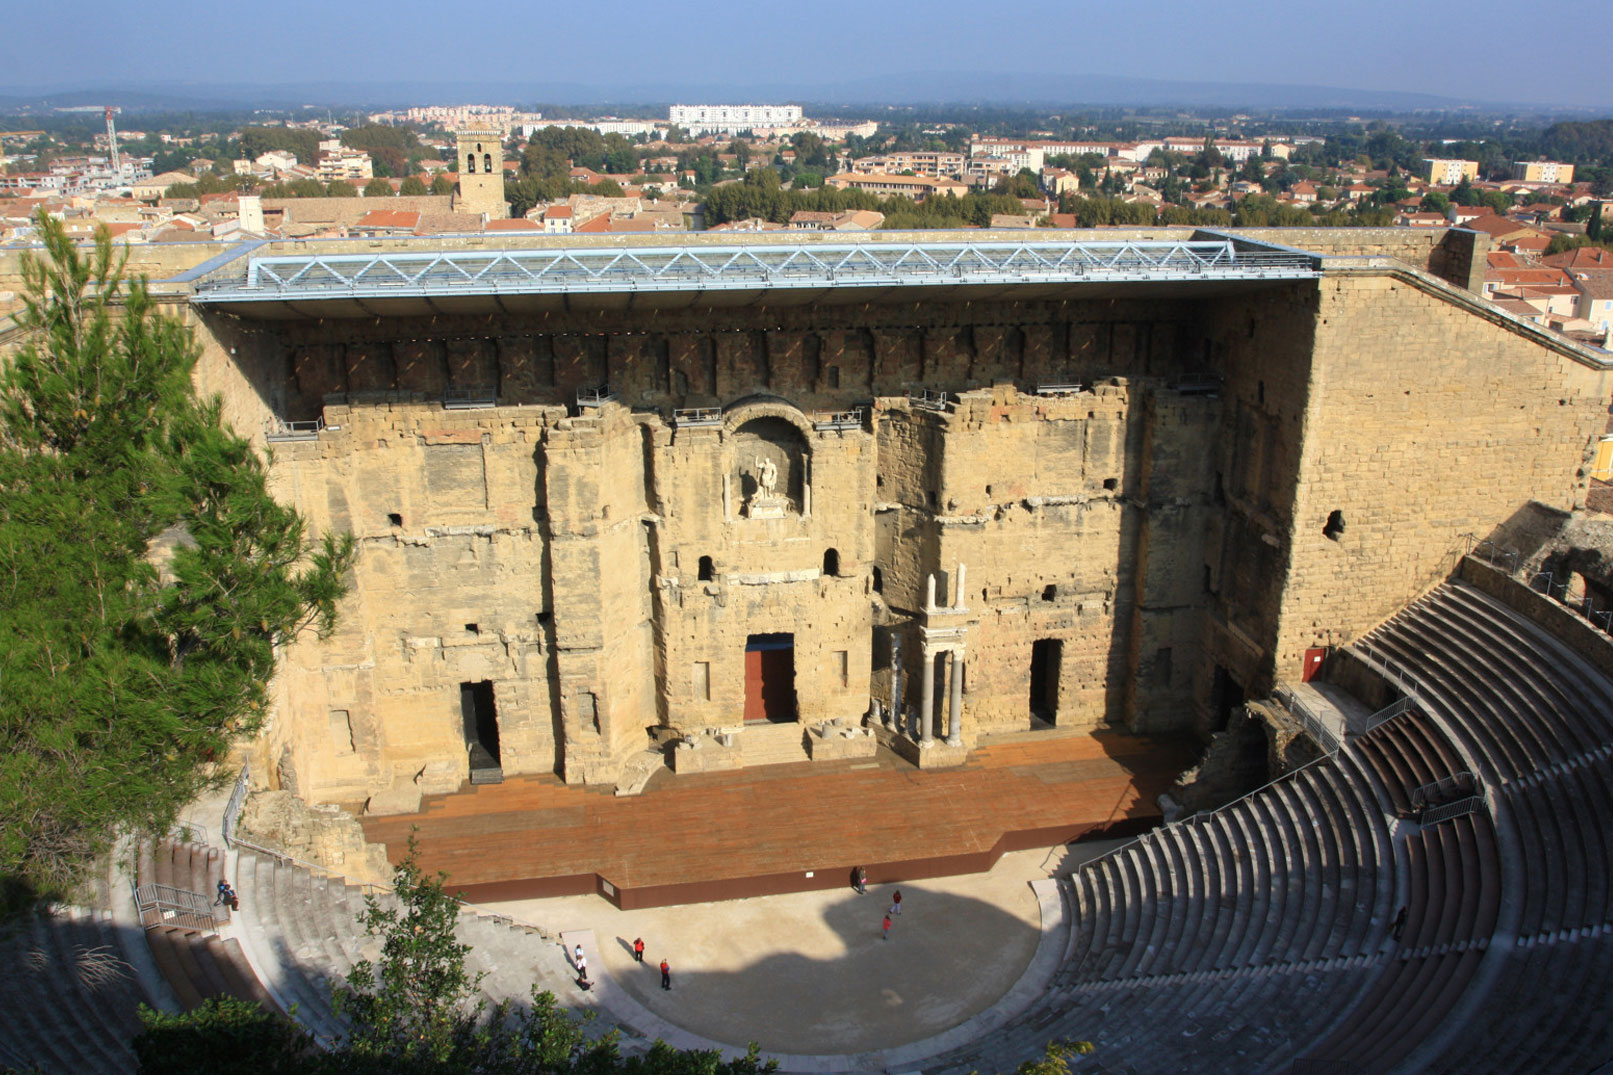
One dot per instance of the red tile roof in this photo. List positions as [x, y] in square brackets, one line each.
[401, 219]
[513, 225]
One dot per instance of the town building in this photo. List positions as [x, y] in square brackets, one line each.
[732, 119]
[1449, 173]
[1543, 171]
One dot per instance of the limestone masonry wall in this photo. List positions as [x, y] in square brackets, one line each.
[1141, 493]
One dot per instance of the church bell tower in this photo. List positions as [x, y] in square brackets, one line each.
[481, 174]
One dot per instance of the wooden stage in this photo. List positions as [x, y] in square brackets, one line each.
[787, 828]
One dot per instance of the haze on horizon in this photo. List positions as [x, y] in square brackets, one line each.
[708, 45]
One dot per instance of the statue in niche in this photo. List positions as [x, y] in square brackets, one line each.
[765, 503]
[771, 468]
[766, 476]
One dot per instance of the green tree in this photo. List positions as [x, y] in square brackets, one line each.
[412, 187]
[1435, 202]
[1056, 1060]
[379, 188]
[412, 1002]
[340, 188]
[225, 1036]
[119, 684]
[441, 184]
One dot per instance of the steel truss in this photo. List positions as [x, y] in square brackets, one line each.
[750, 267]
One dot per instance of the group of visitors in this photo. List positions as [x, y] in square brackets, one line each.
[580, 961]
[859, 881]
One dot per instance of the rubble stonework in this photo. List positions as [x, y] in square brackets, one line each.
[1152, 498]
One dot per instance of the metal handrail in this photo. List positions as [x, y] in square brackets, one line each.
[1069, 388]
[931, 399]
[169, 905]
[1308, 719]
[1391, 669]
[280, 429]
[466, 398]
[697, 416]
[1465, 780]
[838, 420]
[1447, 811]
[232, 810]
[1388, 713]
[595, 396]
[1497, 555]
[1203, 816]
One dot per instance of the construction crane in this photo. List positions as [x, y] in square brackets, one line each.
[20, 136]
[112, 142]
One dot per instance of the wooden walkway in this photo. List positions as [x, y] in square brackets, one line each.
[786, 828]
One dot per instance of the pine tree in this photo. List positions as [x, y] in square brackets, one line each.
[119, 687]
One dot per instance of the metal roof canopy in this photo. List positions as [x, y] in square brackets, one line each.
[753, 267]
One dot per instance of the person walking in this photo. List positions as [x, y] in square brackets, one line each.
[582, 968]
[896, 902]
[859, 880]
[666, 975]
[886, 926]
[638, 949]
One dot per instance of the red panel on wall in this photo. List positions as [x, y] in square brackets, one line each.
[1313, 663]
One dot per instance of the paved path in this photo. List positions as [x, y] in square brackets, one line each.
[808, 974]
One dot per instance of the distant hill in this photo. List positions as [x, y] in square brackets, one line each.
[1032, 89]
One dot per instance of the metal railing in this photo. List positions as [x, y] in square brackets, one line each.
[457, 399]
[1545, 583]
[1387, 666]
[165, 905]
[1203, 817]
[1320, 732]
[1389, 712]
[838, 420]
[594, 397]
[685, 417]
[1069, 388]
[948, 261]
[1446, 788]
[278, 429]
[232, 809]
[1502, 556]
[1447, 811]
[929, 399]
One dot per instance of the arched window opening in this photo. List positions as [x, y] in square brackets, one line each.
[487, 163]
[706, 571]
[879, 581]
[1334, 527]
[470, 163]
[831, 562]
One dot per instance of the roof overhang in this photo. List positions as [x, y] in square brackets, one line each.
[414, 281]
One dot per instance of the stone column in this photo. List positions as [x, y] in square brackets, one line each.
[896, 681]
[955, 707]
[927, 700]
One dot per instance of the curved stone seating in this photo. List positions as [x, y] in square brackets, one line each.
[1524, 701]
[1222, 941]
[68, 1001]
[304, 936]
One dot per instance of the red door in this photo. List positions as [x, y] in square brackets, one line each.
[770, 678]
[1313, 663]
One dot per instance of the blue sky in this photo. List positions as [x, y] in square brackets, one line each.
[1480, 50]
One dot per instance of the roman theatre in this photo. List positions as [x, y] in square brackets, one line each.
[716, 565]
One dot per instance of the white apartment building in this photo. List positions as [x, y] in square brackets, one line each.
[732, 119]
[1448, 173]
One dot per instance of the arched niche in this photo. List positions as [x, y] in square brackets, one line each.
[769, 461]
